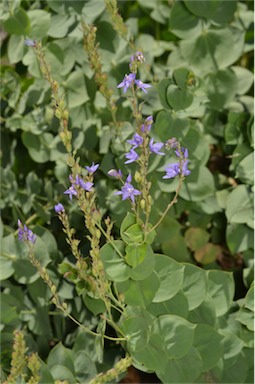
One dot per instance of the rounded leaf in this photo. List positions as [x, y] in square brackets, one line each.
[112, 256]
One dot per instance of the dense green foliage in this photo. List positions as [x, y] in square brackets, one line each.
[187, 288]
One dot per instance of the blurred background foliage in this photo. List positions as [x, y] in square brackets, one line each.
[199, 59]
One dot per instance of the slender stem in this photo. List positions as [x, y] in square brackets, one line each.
[169, 205]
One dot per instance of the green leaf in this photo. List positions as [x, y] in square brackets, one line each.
[136, 330]
[245, 169]
[244, 79]
[221, 289]
[142, 260]
[239, 238]
[85, 368]
[18, 23]
[182, 23]
[198, 185]
[239, 207]
[96, 306]
[184, 370]
[196, 237]
[6, 269]
[177, 305]
[168, 125]
[130, 231]
[170, 274]
[40, 23]
[213, 49]
[220, 88]
[60, 355]
[112, 256]
[178, 98]
[60, 24]
[175, 247]
[208, 343]
[181, 77]
[205, 313]
[177, 333]
[15, 49]
[224, 11]
[139, 293]
[203, 8]
[194, 285]
[149, 355]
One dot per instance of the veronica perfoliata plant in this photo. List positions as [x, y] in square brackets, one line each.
[129, 193]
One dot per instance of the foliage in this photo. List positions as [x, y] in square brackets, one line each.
[166, 283]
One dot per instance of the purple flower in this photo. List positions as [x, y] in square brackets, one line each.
[30, 43]
[138, 56]
[136, 141]
[114, 173]
[85, 185]
[127, 82]
[71, 192]
[92, 168]
[184, 153]
[155, 148]
[172, 143]
[128, 191]
[131, 156]
[146, 127]
[142, 85]
[185, 170]
[172, 170]
[25, 234]
[59, 208]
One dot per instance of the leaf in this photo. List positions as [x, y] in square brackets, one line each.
[115, 266]
[239, 238]
[244, 79]
[60, 355]
[212, 49]
[194, 285]
[139, 293]
[136, 330]
[6, 269]
[96, 306]
[182, 23]
[245, 169]
[149, 355]
[208, 253]
[204, 313]
[220, 88]
[198, 185]
[18, 23]
[40, 23]
[170, 274]
[221, 289]
[15, 49]
[203, 8]
[177, 305]
[196, 237]
[85, 369]
[142, 260]
[178, 98]
[239, 208]
[177, 333]
[208, 342]
[60, 24]
[184, 370]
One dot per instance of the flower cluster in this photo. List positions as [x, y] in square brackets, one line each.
[25, 234]
[128, 191]
[78, 182]
[181, 167]
[130, 80]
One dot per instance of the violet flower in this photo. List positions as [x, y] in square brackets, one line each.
[128, 191]
[146, 127]
[59, 208]
[25, 234]
[30, 43]
[92, 168]
[136, 141]
[131, 156]
[142, 85]
[172, 170]
[156, 147]
[127, 82]
[71, 192]
[114, 173]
